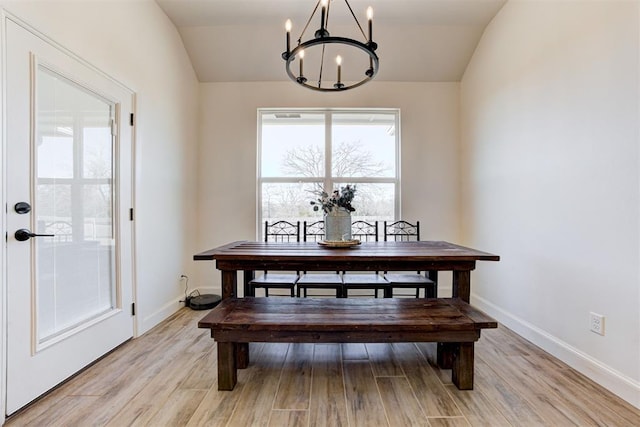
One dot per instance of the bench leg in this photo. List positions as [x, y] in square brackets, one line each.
[242, 355]
[462, 373]
[445, 355]
[227, 374]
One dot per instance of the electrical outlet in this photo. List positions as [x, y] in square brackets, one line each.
[597, 323]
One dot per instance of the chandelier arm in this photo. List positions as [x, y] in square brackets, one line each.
[309, 21]
[355, 19]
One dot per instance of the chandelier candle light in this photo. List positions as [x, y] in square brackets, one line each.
[322, 42]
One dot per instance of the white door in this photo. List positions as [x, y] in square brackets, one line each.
[69, 180]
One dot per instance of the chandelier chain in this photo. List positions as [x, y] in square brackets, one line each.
[308, 22]
[321, 67]
[356, 19]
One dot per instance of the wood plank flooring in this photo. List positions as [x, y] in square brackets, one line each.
[167, 377]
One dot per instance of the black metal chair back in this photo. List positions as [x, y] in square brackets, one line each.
[279, 231]
[313, 231]
[401, 231]
[364, 231]
[282, 231]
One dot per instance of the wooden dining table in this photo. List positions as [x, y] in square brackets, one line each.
[429, 256]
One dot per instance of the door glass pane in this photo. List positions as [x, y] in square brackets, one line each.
[74, 165]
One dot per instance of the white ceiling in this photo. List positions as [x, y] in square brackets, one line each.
[242, 40]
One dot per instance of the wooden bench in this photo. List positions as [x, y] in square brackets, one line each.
[356, 320]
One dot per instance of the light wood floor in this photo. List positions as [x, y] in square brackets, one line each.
[167, 377]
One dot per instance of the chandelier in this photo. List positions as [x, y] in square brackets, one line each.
[320, 49]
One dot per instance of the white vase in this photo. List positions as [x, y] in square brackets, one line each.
[337, 225]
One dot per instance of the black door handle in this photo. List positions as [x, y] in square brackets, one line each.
[24, 234]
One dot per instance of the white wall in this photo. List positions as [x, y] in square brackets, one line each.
[549, 112]
[228, 129]
[135, 43]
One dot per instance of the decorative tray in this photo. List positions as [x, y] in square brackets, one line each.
[339, 243]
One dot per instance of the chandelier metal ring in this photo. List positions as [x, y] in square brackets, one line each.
[369, 73]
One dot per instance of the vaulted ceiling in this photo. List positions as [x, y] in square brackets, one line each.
[242, 40]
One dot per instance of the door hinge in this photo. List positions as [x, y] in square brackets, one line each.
[114, 128]
[131, 214]
[133, 308]
[131, 119]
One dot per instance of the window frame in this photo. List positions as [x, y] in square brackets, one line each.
[328, 180]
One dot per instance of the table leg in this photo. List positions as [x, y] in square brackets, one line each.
[229, 284]
[462, 284]
[462, 290]
[230, 290]
[248, 276]
[433, 275]
[243, 348]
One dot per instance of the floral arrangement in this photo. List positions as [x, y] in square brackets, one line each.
[338, 199]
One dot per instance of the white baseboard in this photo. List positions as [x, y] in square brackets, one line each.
[168, 309]
[158, 316]
[614, 381]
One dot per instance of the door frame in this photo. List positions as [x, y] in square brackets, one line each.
[4, 17]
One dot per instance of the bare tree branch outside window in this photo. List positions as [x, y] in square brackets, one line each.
[349, 159]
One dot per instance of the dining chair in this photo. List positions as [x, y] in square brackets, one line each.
[314, 232]
[402, 231]
[279, 231]
[365, 232]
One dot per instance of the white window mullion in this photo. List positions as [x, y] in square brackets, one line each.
[328, 164]
[398, 202]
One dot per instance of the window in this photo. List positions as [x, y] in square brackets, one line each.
[300, 151]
